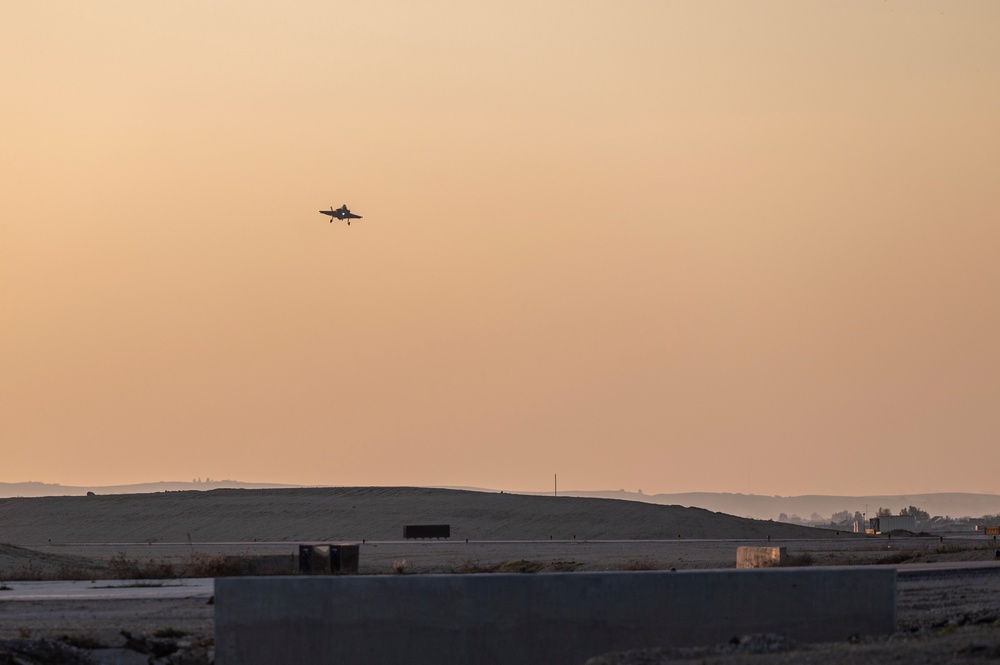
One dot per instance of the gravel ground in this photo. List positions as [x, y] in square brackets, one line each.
[122, 632]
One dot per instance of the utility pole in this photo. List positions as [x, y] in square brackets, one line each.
[555, 484]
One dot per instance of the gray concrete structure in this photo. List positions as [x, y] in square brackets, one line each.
[550, 619]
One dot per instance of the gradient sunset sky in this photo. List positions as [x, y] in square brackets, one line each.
[668, 245]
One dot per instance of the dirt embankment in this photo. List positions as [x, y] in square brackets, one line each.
[21, 563]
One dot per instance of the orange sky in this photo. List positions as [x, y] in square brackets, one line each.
[676, 246]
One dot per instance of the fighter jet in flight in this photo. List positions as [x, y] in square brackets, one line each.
[341, 213]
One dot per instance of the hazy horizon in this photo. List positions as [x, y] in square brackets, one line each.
[817, 509]
[551, 490]
[658, 245]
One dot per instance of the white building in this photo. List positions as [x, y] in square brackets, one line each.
[893, 523]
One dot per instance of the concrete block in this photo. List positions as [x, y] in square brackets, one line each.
[550, 619]
[761, 557]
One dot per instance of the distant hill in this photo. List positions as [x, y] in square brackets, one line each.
[356, 513]
[755, 506]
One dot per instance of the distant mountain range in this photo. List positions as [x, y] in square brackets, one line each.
[9, 490]
[951, 504]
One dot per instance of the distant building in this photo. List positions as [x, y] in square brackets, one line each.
[893, 523]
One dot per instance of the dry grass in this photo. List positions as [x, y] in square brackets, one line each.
[564, 566]
[169, 633]
[895, 557]
[519, 566]
[32, 573]
[221, 566]
[644, 564]
[472, 567]
[973, 547]
[796, 560]
[84, 641]
[123, 568]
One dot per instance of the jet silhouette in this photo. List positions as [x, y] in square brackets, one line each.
[341, 213]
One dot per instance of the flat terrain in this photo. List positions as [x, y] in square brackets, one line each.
[941, 616]
[104, 560]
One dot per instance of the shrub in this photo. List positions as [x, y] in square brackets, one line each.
[643, 564]
[804, 559]
[519, 566]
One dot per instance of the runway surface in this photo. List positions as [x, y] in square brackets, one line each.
[108, 590]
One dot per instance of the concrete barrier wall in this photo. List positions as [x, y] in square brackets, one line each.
[550, 619]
